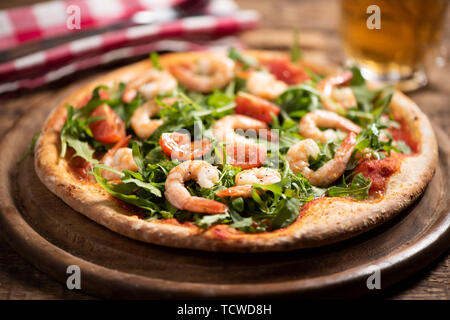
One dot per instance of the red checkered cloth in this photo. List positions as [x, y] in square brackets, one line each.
[214, 28]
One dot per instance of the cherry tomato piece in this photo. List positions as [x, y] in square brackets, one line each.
[255, 107]
[110, 129]
[286, 71]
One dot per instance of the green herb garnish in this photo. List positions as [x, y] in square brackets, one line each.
[357, 189]
[236, 56]
[154, 57]
[296, 53]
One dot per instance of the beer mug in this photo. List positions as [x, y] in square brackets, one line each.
[391, 40]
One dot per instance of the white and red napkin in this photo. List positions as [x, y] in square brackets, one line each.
[213, 28]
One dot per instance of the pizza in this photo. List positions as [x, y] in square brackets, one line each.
[245, 151]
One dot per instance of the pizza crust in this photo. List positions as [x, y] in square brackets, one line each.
[322, 221]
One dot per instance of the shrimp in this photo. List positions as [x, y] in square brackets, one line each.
[224, 129]
[120, 158]
[141, 121]
[205, 73]
[206, 176]
[245, 155]
[334, 98]
[241, 151]
[310, 123]
[245, 179]
[150, 84]
[298, 156]
[265, 85]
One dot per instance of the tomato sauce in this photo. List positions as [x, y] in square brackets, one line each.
[286, 71]
[221, 232]
[306, 206]
[78, 166]
[379, 171]
[404, 134]
[132, 209]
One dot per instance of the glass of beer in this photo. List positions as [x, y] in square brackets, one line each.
[391, 40]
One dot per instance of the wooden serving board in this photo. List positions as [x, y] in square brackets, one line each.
[52, 236]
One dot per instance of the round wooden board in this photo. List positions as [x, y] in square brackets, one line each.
[52, 236]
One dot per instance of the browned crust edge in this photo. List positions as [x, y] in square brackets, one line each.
[326, 221]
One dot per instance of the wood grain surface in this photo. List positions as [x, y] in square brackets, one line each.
[318, 21]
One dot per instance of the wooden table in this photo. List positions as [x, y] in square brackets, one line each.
[317, 20]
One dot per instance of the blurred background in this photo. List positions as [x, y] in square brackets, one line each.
[42, 60]
[414, 37]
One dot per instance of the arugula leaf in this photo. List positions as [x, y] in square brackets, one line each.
[187, 114]
[371, 106]
[239, 84]
[239, 222]
[236, 56]
[370, 138]
[126, 110]
[363, 95]
[208, 220]
[263, 205]
[227, 177]
[122, 109]
[154, 57]
[381, 105]
[144, 185]
[299, 100]
[403, 147]
[302, 188]
[362, 118]
[131, 178]
[92, 104]
[287, 214]
[82, 149]
[358, 189]
[242, 224]
[358, 79]
[326, 153]
[73, 127]
[296, 53]
[124, 192]
[156, 155]
[137, 157]
[272, 206]
[316, 163]
[219, 100]
[238, 204]
[105, 167]
[275, 188]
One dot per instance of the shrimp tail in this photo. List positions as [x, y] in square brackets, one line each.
[202, 205]
[236, 191]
